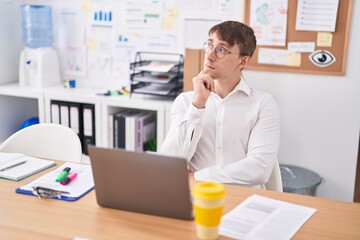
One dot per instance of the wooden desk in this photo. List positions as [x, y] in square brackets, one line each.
[27, 217]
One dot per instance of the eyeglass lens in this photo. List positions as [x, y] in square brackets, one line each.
[220, 52]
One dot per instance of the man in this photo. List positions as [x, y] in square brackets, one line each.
[228, 132]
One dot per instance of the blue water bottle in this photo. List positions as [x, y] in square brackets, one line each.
[37, 26]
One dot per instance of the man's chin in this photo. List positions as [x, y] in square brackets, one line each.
[210, 71]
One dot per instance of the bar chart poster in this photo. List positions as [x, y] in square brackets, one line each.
[102, 15]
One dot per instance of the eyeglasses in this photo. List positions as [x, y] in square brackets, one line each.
[220, 52]
[43, 192]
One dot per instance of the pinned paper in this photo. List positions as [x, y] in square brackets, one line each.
[316, 15]
[169, 18]
[86, 6]
[301, 46]
[324, 39]
[294, 59]
[91, 43]
[273, 56]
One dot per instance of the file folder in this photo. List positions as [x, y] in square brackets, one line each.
[88, 114]
[64, 114]
[55, 112]
[75, 117]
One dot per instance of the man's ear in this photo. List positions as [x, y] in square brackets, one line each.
[244, 61]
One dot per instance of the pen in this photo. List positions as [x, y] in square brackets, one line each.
[69, 179]
[63, 174]
[12, 166]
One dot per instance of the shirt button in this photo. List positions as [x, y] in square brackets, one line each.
[219, 147]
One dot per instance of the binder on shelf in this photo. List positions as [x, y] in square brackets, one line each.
[75, 118]
[77, 188]
[119, 129]
[55, 112]
[122, 134]
[130, 129]
[111, 131]
[64, 114]
[88, 115]
[145, 132]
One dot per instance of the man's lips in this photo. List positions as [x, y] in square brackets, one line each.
[209, 66]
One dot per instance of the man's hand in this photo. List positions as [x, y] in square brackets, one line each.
[203, 84]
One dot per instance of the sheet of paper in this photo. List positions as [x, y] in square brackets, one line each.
[273, 56]
[268, 18]
[143, 14]
[264, 218]
[301, 46]
[324, 39]
[314, 15]
[71, 28]
[196, 31]
[294, 59]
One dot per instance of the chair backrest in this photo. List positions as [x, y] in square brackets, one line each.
[275, 181]
[45, 140]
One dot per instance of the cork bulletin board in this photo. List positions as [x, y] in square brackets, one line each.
[338, 47]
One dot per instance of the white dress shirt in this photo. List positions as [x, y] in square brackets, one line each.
[232, 140]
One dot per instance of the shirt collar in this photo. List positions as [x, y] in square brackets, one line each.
[243, 86]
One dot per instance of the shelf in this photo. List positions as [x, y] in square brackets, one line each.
[20, 103]
[15, 90]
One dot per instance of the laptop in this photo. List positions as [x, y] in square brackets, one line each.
[141, 182]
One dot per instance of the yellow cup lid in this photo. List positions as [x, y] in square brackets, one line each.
[208, 190]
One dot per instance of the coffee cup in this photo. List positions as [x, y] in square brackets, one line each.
[208, 203]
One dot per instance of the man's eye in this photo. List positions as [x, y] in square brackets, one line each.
[222, 50]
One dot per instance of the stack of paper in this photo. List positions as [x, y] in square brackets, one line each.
[264, 218]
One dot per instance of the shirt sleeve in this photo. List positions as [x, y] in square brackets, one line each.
[185, 129]
[256, 167]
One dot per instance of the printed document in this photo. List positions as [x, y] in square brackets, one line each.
[264, 218]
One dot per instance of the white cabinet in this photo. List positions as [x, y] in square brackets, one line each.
[17, 104]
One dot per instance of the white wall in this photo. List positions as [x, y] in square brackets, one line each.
[10, 40]
[320, 118]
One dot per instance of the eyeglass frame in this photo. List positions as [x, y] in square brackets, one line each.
[207, 49]
[43, 192]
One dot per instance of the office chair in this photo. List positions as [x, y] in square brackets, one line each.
[275, 181]
[45, 140]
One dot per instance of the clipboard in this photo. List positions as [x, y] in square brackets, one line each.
[77, 188]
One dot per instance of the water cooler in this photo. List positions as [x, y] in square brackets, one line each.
[39, 63]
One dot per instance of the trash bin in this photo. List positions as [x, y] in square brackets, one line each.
[299, 180]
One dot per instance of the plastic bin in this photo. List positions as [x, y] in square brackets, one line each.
[299, 180]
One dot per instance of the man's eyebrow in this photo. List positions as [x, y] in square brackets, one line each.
[221, 43]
